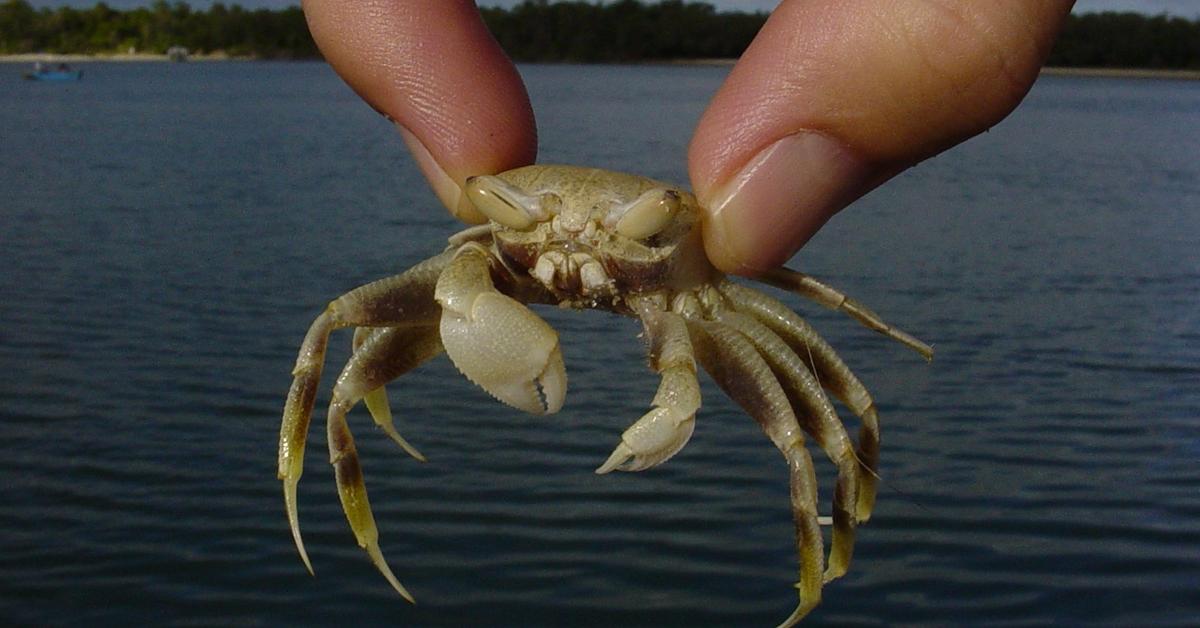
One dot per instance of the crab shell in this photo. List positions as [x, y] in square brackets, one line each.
[642, 235]
[595, 239]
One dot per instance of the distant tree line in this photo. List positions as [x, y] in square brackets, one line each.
[624, 31]
[538, 30]
[101, 29]
[1128, 40]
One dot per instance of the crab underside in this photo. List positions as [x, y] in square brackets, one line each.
[595, 239]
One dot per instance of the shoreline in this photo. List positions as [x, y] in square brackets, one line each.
[49, 57]
[122, 57]
[1132, 73]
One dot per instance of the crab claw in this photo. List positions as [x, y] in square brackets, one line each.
[497, 342]
[657, 436]
[666, 428]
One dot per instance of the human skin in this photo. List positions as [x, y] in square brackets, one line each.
[831, 99]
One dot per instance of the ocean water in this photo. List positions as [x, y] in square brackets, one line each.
[167, 233]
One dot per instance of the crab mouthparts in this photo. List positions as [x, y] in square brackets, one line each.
[572, 272]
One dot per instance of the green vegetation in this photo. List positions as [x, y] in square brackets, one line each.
[538, 30]
[624, 31]
[1128, 40]
[100, 29]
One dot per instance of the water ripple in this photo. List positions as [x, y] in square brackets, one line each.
[1039, 472]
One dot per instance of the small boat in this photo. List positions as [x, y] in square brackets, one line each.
[61, 73]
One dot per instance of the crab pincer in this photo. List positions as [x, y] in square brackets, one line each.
[497, 342]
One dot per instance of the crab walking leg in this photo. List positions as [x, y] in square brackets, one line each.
[743, 374]
[833, 373]
[297, 412]
[834, 299]
[494, 340]
[385, 355]
[404, 299]
[377, 400]
[353, 493]
[820, 421]
[666, 428]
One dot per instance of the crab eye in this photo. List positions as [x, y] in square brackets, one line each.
[503, 202]
[646, 215]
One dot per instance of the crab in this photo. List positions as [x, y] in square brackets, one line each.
[586, 238]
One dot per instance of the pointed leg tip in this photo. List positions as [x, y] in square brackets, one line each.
[915, 344]
[833, 572]
[866, 500]
[403, 592]
[605, 468]
[381, 564]
[303, 552]
[618, 457]
[289, 503]
[381, 412]
[803, 608]
[307, 563]
[405, 445]
[801, 611]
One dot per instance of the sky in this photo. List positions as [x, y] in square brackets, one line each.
[1183, 8]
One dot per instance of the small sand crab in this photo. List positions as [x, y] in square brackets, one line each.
[587, 238]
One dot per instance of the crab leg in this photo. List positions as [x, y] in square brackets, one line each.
[377, 400]
[742, 373]
[665, 429]
[385, 355]
[834, 299]
[494, 340]
[833, 373]
[401, 300]
[820, 421]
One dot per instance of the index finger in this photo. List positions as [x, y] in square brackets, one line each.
[432, 67]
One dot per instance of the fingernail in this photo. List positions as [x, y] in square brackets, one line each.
[783, 195]
[448, 191]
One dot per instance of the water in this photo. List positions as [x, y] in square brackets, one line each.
[167, 232]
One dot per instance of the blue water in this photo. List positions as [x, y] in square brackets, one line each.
[167, 233]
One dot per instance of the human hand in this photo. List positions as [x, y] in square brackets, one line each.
[433, 69]
[832, 99]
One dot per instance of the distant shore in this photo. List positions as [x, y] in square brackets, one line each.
[48, 57]
[1178, 75]
[1138, 73]
[1185, 75]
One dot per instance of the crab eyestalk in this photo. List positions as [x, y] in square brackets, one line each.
[646, 215]
[503, 202]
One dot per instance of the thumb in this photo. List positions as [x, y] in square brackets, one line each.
[832, 98]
